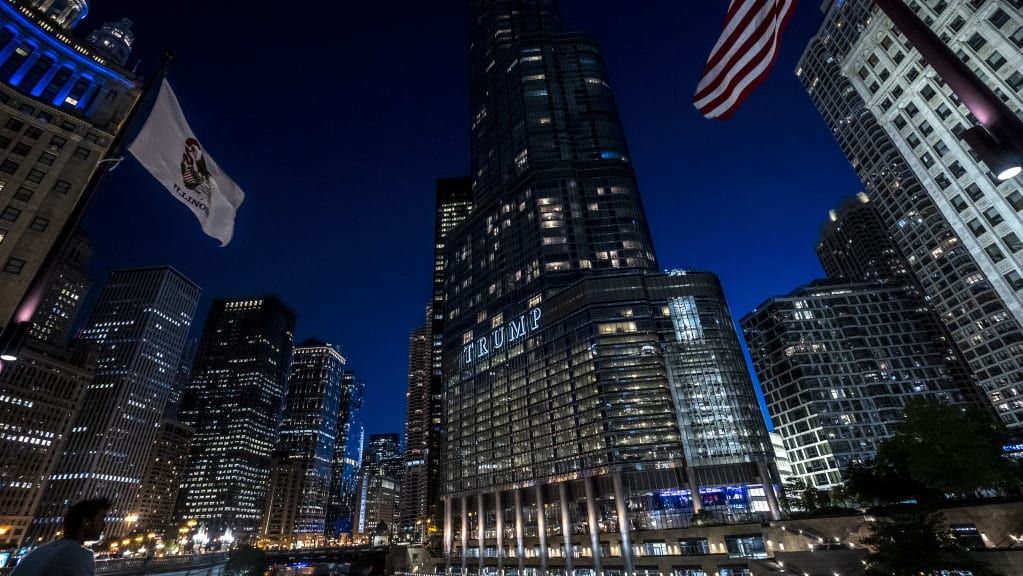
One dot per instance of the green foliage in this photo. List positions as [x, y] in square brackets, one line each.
[915, 543]
[246, 561]
[938, 450]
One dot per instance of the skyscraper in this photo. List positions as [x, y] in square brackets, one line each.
[347, 458]
[62, 103]
[300, 478]
[590, 401]
[379, 487]
[161, 478]
[59, 307]
[136, 334]
[855, 244]
[415, 487]
[234, 402]
[838, 361]
[39, 396]
[899, 124]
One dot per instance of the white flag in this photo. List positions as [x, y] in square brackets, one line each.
[170, 151]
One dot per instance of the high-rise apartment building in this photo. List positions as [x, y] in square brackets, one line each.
[415, 487]
[425, 416]
[234, 402]
[57, 311]
[838, 361]
[855, 244]
[591, 402]
[300, 478]
[957, 226]
[136, 334]
[62, 102]
[347, 459]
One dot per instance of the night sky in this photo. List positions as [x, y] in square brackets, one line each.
[337, 117]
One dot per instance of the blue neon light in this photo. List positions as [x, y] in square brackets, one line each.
[1013, 448]
[65, 50]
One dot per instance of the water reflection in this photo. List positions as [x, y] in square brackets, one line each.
[304, 569]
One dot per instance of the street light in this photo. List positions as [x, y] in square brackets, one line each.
[1005, 162]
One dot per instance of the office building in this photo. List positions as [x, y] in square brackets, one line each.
[838, 361]
[62, 103]
[136, 334]
[958, 227]
[347, 459]
[593, 405]
[39, 396]
[161, 478]
[855, 244]
[234, 402]
[300, 482]
[379, 486]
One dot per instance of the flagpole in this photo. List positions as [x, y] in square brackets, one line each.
[978, 98]
[16, 327]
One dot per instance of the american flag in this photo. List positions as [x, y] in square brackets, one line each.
[743, 55]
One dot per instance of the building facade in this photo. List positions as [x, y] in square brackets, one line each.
[593, 404]
[838, 361]
[62, 103]
[136, 335]
[57, 311]
[347, 459]
[161, 478]
[378, 493]
[234, 402]
[300, 483]
[414, 514]
[957, 226]
[39, 396]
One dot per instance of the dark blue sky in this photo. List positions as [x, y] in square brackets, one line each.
[337, 120]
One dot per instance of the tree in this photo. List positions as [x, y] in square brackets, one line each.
[792, 492]
[937, 450]
[914, 543]
[949, 450]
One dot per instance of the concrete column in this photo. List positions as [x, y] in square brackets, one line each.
[520, 548]
[465, 531]
[481, 528]
[591, 518]
[694, 489]
[541, 528]
[89, 96]
[566, 526]
[623, 522]
[500, 530]
[6, 52]
[772, 498]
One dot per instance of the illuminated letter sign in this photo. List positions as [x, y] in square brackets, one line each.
[512, 331]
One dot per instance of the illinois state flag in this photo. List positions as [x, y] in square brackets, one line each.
[168, 148]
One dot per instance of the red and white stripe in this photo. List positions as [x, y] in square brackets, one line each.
[743, 55]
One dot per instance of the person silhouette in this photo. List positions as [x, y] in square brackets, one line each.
[68, 556]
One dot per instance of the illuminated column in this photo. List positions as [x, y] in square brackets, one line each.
[541, 528]
[12, 45]
[46, 79]
[520, 548]
[65, 90]
[566, 527]
[448, 535]
[591, 518]
[499, 516]
[623, 521]
[481, 526]
[772, 498]
[27, 65]
[465, 532]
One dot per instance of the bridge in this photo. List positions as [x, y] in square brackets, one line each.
[187, 565]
